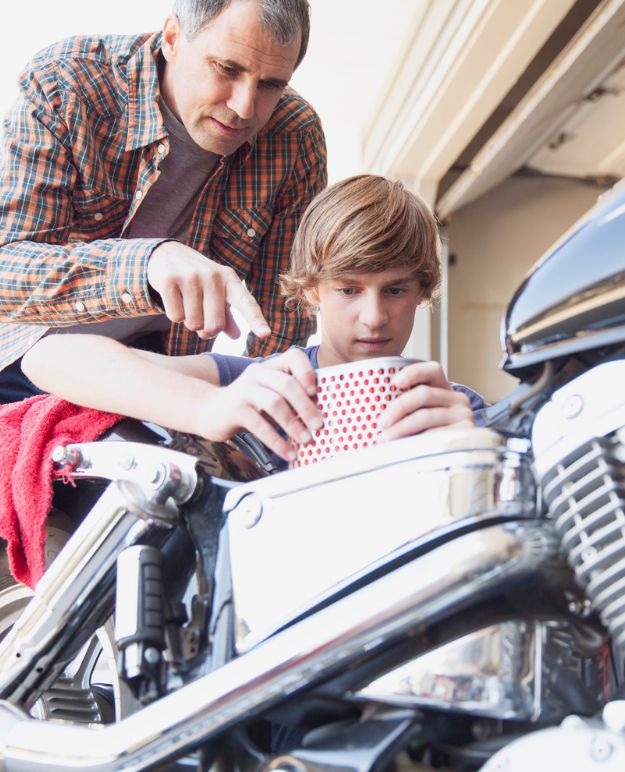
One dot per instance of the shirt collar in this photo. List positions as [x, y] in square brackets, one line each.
[145, 122]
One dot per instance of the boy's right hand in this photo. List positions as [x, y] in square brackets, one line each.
[276, 392]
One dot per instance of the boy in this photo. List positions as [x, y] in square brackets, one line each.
[365, 256]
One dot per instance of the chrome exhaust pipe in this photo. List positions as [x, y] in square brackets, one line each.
[462, 572]
[156, 480]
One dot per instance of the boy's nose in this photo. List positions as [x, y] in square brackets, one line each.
[373, 313]
[242, 98]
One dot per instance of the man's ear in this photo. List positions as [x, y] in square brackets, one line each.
[172, 33]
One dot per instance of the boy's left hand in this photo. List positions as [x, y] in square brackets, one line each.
[427, 402]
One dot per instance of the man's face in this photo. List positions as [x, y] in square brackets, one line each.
[366, 315]
[225, 83]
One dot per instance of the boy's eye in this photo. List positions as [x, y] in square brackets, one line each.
[396, 290]
[271, 85]
[347, 291]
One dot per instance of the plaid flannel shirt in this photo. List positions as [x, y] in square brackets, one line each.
[82, 147]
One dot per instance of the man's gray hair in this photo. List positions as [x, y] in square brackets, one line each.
[283, 19]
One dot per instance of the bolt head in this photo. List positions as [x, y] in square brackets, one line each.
[572, 406]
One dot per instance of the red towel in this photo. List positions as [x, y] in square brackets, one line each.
[29, 432]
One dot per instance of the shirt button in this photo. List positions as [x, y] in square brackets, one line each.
[126, 297]
[98, 216]
[79, 306]
[251, 232]
[161, 149]
[138, 194]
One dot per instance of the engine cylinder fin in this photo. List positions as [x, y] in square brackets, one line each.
[585, 494]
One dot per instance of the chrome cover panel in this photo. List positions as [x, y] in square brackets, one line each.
[578, 744]
[592, 405]
[472, 568]
[300, 536]
[503, 671]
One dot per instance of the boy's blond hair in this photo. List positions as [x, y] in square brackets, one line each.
[363, 224]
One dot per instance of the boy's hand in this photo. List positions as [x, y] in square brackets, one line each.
[427, 402]
[273, 393]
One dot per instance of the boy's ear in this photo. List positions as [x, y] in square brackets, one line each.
[311, 296]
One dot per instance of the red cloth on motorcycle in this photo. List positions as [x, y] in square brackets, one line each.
[29, 432]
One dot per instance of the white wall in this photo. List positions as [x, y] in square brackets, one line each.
[495, 241]
[353, 47]
[28, 27]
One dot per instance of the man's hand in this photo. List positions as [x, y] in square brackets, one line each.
[427, 402]
[276, 392]
[199, 292]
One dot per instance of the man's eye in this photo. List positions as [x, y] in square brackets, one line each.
[224, 69]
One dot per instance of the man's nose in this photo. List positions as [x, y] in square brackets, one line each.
[242, 98]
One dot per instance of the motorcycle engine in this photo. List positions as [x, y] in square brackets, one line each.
[578, 440]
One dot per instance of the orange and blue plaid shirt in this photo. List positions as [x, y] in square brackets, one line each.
[82, 147]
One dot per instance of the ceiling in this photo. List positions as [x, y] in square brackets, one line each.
[485, 88]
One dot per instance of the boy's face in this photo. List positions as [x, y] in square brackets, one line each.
[366, 315]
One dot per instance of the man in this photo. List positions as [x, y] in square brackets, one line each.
[144, 177]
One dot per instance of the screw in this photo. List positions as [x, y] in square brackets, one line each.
[126, 463]
[152, 656]
[573, 722]
[572, 406]
[251, 511]
[65, 456]
[614, 715]
[600, 748]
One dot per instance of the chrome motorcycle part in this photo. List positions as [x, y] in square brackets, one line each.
[79, 582]
[88, 690]
[580, 461]
[505, 671]
[574, 298]
[139, 619]
[329, 525]
[469, 569]
[358, 746]
[77, 695]
[578, 744]
[160, 471]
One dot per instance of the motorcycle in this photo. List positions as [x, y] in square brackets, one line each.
[454, 600]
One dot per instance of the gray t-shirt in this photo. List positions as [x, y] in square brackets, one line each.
[168, 207]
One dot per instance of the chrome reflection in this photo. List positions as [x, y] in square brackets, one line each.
[474, 568]
[505, 671]
[298, 537]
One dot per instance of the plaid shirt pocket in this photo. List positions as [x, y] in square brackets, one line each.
[236, 236]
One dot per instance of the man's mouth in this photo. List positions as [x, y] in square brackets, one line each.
[226, 128]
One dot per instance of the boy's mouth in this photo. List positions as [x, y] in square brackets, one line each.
[373, 342]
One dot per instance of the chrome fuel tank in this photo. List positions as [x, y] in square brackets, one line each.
[300, 537]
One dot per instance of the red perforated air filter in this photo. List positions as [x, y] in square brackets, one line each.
[351, 398]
